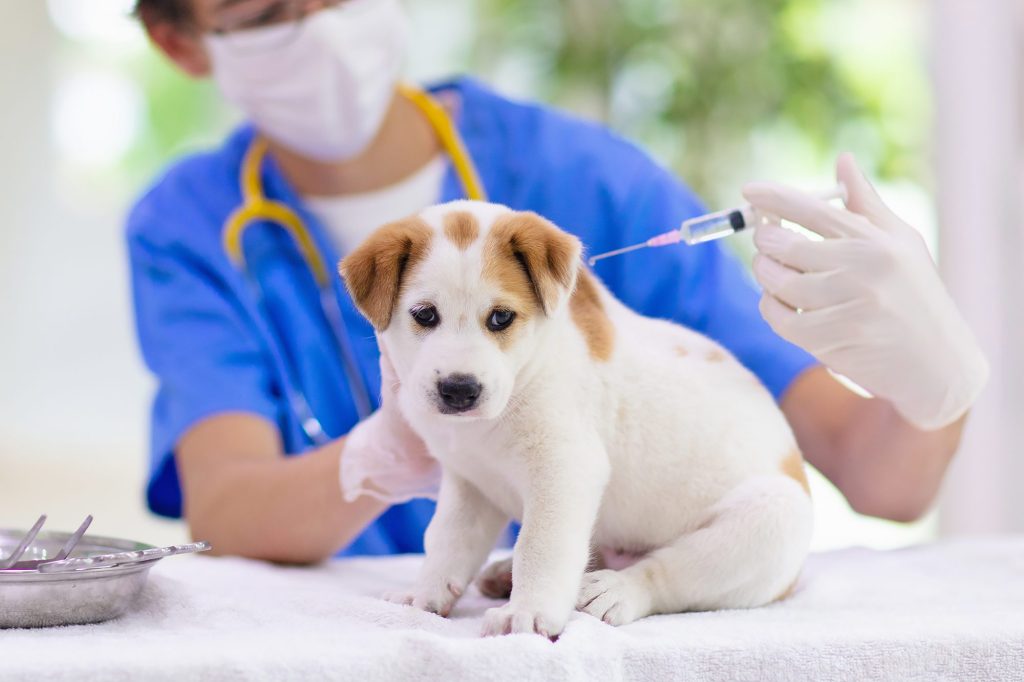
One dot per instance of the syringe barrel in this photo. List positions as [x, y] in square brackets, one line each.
[717, 225]
[705, 228]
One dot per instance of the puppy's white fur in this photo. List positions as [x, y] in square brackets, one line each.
[641, 436]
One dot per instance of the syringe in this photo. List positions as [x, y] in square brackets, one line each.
[711, 226]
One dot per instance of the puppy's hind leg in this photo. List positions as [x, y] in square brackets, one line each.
[747, 553]
[495, 581]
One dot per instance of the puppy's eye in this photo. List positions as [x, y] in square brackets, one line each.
[426, 316]
[500, 319]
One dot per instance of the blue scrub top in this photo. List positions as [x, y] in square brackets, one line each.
[215, 346]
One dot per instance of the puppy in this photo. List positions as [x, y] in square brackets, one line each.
[548, 401]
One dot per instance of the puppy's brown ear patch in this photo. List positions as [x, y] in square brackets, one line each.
[590, 318]
[461, 229]
[793, 466]
[375, 271]
[548, 257]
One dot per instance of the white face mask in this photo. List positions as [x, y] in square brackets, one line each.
[321, 88]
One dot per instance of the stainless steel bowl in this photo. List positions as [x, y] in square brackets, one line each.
[30, 599]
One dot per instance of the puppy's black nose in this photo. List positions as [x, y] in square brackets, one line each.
[459, 391]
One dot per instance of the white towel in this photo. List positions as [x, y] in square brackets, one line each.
[947, 611]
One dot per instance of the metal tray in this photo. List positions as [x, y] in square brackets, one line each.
[30, 599]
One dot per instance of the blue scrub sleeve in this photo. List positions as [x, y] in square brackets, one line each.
[704, 287]
[206, 356]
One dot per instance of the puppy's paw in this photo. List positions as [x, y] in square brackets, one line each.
[513, 618]
[495, 581]
[437, 599]
[614, 597]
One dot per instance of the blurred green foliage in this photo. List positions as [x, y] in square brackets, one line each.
[695, 80]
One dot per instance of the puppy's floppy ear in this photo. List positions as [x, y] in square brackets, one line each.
[374, 272]
[549, 257]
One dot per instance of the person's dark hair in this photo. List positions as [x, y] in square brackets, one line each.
[172, 11]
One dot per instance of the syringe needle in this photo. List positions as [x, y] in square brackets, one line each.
[616, 252]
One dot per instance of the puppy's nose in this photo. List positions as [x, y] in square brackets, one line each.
[459, 391]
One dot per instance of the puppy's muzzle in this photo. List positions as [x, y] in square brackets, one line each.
[458, 392]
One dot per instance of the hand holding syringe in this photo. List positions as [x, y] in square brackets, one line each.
[711, 226]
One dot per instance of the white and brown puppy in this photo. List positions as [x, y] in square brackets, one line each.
[548, 401]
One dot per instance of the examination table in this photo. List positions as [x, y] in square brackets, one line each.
[952, 610]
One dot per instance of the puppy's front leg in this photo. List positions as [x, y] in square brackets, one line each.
[462, 532]
[565, 486]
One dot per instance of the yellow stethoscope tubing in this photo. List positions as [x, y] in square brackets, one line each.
[450, 139]
[256, 207]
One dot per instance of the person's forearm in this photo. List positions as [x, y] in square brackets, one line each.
[888, 467]
[287, 509]
[884, 466]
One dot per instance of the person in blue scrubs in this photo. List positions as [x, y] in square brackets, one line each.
[231, 348]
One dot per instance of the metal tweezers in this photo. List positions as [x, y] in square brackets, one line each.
[12, 563]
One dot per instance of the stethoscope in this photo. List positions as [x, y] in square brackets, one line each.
[258, 208]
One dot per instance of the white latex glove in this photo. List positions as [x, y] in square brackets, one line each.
[866, 301]
[383, 456]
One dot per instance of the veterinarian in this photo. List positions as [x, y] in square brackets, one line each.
[259, 353]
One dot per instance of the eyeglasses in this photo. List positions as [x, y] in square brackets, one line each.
[233, 16]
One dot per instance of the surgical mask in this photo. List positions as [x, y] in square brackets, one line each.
[321, 88]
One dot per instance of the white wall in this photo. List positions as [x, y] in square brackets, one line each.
[979, 133]
[73, 395]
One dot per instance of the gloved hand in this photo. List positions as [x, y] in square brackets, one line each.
[866, 301]
[383, 456]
